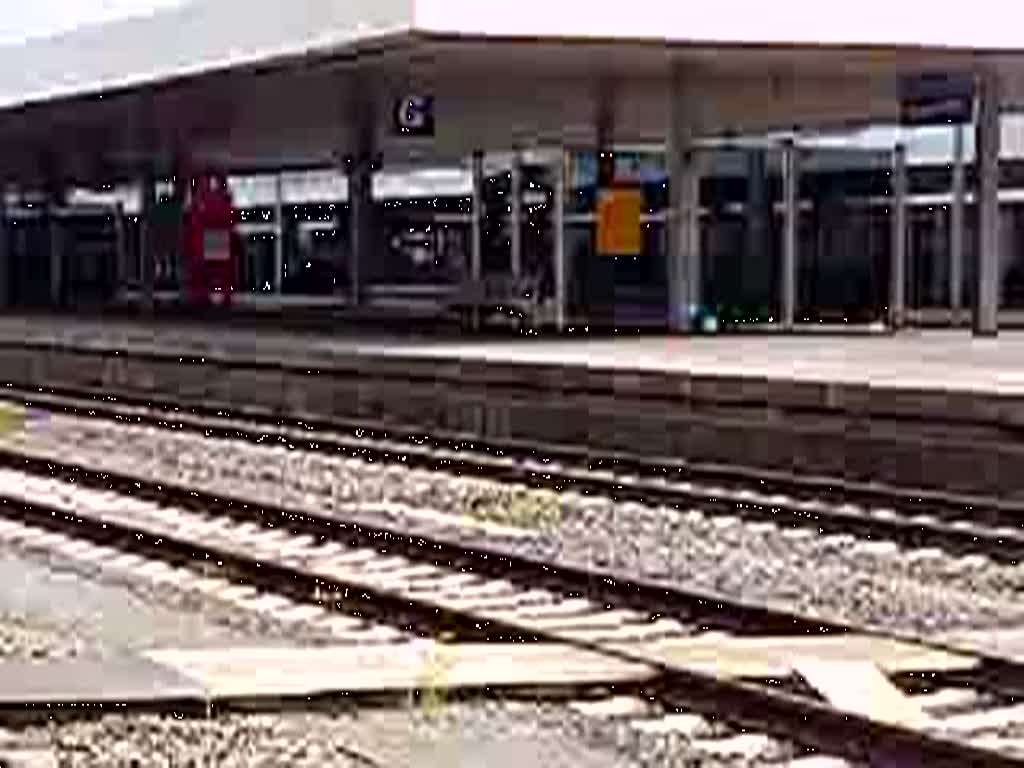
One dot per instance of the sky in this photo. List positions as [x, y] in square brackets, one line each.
[24, 19]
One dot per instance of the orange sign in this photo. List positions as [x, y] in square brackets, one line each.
[618, 222]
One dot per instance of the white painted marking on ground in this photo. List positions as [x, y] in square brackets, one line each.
[923, 554]
[990, 719]
[883, 513]
[799, 533]
[876, 548]
[236, 593]
[403, 577]
[618, 706]
[685, 724]
[817, 761]
[947, 697]
[446, 584]
[860, 688]
[265, 603]
[126, 562]
[297, 614]
[745, 745]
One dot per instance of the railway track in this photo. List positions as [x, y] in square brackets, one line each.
[342, 576]
[910, 518]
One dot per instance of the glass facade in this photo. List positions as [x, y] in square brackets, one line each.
[422, 237]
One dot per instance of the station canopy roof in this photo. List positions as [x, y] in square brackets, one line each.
[276, 83]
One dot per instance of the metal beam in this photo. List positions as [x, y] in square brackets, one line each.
[278, 276]
[477, 245]
[516, 216]
[898, 265]
[987, 294]
[561, 266]
[120, 248]
[790, 218]
[362, 107]
[683, 233]
[55, 191]
[5, 250]
[956, 229]
[146, 251]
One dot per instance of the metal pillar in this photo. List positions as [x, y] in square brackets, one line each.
[146, 253]
[5, 250]
[790, 218]
[757, 266]
[683, 234]
[477, 245]
[53, 225]
[956, 230]
[278, 277]
[561, 266]
[360, 189]
[939, 238]
[516, 216]
[360, 205]
[898, 270]
[987, 294]
[120, 248]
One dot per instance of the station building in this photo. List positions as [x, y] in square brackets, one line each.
[793, 169]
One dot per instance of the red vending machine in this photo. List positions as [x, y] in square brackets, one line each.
[212, 248]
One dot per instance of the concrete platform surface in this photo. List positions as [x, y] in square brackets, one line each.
[920, 359]
[928, 360]
[934, 410]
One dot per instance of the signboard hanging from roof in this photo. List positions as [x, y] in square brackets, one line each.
[414, 116]
[937, 99]
[618, 221]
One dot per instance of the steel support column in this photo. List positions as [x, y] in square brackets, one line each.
[477, 245]
[560, 260]
[757, 266]
[898, 268]
[54, 204]
[790, 219]
[5, 250]
[120, 248]
[147, 201]
[516, 216]
[360, 202]
[987, 293]
[278, 277]
[956, 230]
[360, 190]
[683, 233]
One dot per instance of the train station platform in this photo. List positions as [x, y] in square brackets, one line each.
[922, 409]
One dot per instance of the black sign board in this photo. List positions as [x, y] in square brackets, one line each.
[414, 116]
[937, 99]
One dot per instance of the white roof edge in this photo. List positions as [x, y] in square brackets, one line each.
[198, 37]
[871, 23]
[206, 35]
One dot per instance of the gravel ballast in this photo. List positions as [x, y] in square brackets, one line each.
[496, 734]
[836, 577]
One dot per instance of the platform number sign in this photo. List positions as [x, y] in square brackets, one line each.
[414, 116]
[937, 99]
